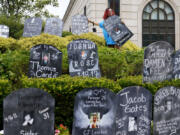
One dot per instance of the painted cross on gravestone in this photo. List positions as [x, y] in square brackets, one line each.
[4, 31]
[29, 112]
[117, 30]
[134, 111]
[79, 24]
[32, 27]
[167, 111]
[94, 112]
[54, 26]
[176, 65]
[158, 62]
[83, 58]
[45, 62]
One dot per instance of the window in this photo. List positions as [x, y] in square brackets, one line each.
[158, 23]
[85, 10]
[115, 5]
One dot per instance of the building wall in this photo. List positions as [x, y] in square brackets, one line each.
[130, 13]
[94, 11]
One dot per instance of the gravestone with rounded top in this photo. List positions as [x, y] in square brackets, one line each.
[83, 58]
[167, 111]
[45, 62]
[176, 65]
[117, 30]
[158, 62]
[4, 31]
[29, 112]
[94, 112]
[54, 26]
[32, 27]
[134, 111]
[79, 24]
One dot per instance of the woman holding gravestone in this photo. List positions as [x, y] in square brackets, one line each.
[109, 41]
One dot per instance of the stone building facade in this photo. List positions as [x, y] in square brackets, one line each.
[149, 20]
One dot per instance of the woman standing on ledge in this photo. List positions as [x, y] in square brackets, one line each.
[109, 41]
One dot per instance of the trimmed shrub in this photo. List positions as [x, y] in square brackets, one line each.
[64, 90]
[27, 43]
[66, 33]
[7, 44]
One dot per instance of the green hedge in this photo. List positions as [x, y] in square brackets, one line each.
[64, 89]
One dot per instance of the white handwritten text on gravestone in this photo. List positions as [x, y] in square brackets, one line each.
[39, 70]
[135, 100]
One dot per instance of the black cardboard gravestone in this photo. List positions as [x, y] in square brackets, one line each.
[134, 111]
[29, 112]
[158, 62]
[167, 111]
[79, 24]
[83, 58]
[176, 65]
[45, 62]
[94, 112]
[4, 31]
[54, 26]
[117, 30]
[32, 27]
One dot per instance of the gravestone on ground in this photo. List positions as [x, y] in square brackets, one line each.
[79, 24]
[94, 112]
[54, 26]
[32, 27]
[83, 58]
[134, 111]
[29, 112]
[117, 30]
[158, 62]
[4, 31]
[167, 111]
[176, 65]
[45, 62]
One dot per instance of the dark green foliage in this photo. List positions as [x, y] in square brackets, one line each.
[66, 33]
[14, 24]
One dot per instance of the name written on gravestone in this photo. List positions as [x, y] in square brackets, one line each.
[117, 30]
[32, 27]
[45, 62]
[158, 62]
[94, 112]
[134, 111]
[28, 112]
[79, 24]
[4, 31]
[83, 58]
[54, 26]
[166, 111]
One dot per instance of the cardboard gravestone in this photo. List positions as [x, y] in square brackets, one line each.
[176, 65]
[83, 58]
[94, 112]
[134, 111]
[45, 62]
[4, 31]
[117, 30]
[158, 62]
[79, 24]
[32, 27]
[28, 112]
[54, 26]
[167, 111]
